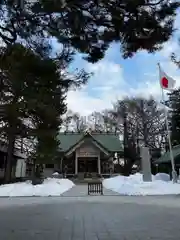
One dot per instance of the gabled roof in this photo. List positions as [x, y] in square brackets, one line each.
[108, 141]
[165, 158]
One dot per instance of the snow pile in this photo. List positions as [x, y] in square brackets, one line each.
[50, 187]
[134, 185]
[55, 174]
[162, 176]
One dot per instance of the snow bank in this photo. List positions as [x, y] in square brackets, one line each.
[162, 176]
[55, 174]
[50, 187]
[134, 185]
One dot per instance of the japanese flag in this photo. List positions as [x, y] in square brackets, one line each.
[166, 82]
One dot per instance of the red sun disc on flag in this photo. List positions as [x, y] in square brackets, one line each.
[164, 82]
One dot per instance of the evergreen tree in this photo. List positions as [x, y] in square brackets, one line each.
[174, 115]
[34, 91]
[174, 104]
[89, 26]
[12, 103]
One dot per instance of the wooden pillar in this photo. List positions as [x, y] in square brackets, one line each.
[76, 164]
[99, 164]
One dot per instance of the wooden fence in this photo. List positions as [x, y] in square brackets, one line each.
[95, 188]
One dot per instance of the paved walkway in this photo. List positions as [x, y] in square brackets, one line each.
[81, 190]
[131, 218]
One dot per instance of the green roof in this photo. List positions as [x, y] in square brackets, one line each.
[68, 140]
[165, 158]
[109, 141]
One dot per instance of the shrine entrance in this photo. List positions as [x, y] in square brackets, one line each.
[87, 159]
[88, 164]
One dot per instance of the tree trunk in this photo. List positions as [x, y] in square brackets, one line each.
[127, 170]
[9, 158]
[125, 141]
[33, 171]
[144, 124]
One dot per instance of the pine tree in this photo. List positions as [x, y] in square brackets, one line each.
[89, 26]
[34, 90]
[12, 103]
[174, 104]
[174, 115]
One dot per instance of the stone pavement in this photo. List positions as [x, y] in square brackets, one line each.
[81, 190]
[78, 190]
[102, 218]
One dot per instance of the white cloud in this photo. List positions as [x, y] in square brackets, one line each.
[106, 74]
[99, 95]
[105, 87]
[81, 102]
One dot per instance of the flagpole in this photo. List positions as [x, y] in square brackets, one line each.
[174, 174]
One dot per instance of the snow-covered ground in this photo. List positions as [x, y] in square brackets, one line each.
[134, 185]
[50, 187]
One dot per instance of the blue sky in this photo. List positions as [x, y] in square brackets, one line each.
[115, 77]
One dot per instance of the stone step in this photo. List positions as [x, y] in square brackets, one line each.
[86, 180]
